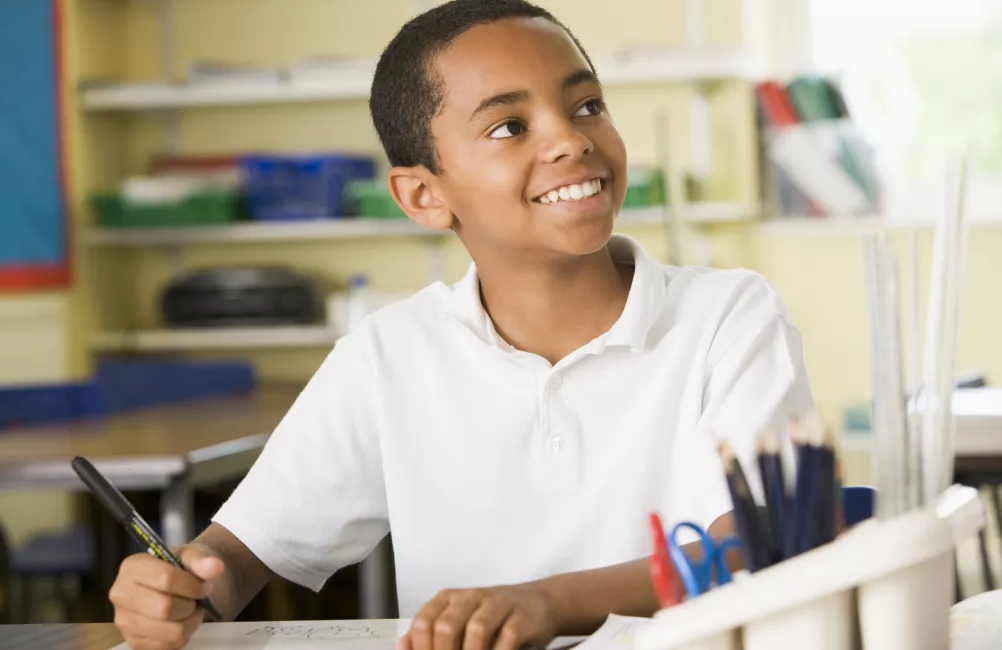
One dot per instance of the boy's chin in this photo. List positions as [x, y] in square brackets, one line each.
[581, 237]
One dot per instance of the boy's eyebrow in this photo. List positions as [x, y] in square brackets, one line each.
[503, 99]
[582, 76]
[575, 78]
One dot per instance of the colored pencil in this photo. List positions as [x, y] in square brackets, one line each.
[839, 499]
[771, 471]
[808, 498]
[662, 569]
[798, 435]
[825, 522]
[747, 517]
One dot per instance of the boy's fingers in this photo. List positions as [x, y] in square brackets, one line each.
[513, 633]
[158, 605]
[202, 564]
[485, 623]
[422, 627]
[450, 626]
[150, 633]
[160, 576]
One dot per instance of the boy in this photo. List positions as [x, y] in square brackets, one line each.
[518, 427]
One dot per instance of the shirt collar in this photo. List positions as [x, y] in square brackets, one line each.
[642, 304]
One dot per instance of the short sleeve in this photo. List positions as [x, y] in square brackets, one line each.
[315, 500]
[757, 380]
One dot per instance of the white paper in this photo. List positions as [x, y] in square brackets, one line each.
[615, 634]
[298, 635]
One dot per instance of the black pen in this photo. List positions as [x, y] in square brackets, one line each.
[125, 514]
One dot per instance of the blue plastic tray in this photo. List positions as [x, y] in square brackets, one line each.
[291, 188]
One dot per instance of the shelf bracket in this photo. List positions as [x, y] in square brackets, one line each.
[171, 118]
[176, 256]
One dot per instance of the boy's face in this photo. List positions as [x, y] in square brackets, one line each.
[531, 162]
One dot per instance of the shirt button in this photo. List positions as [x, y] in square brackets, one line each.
[557, 443]
[554, 382]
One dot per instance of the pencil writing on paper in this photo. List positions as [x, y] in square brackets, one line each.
[322, 632]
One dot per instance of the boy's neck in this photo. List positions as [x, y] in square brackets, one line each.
[553, 309]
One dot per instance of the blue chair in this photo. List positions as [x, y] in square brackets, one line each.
[857, 503]
[63, 558]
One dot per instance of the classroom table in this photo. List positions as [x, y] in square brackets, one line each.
[975, 624]
[172, 449]
[84, 636]
[978, 416]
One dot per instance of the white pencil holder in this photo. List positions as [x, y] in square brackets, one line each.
[909, 609]
[799, 627]
[724, 641]
[884, 585]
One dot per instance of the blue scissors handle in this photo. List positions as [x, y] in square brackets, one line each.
[699, 577]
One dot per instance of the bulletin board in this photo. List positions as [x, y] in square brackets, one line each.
[34, 249]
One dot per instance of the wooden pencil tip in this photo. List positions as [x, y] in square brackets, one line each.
[726, 453]
[815, 428]
[797, 433]
[828, 437]
[768, 442]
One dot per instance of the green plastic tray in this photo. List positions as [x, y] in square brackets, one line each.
[112, 210]
[644, 188]
[371, 199]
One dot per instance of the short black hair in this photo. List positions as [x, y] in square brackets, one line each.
[406, 93]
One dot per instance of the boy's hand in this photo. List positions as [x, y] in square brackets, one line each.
[503, 618]
[155, 602]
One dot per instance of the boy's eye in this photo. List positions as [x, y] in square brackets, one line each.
[509, 129]
[590, 107]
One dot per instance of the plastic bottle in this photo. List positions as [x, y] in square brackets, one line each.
[358, 300]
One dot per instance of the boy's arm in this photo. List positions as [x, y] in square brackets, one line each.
[533, 613]
[155, 602]
[583, 600]
[243, 576]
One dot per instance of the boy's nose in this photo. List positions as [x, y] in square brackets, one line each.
[567, 142]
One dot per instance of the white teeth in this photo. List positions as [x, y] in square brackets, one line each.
[572, 192]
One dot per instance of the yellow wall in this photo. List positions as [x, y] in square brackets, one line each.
[820, 277]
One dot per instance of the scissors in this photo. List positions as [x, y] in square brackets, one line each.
[699, 577]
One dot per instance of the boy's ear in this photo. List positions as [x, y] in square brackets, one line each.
[418, 193]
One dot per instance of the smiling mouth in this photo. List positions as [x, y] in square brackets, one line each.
[570, 193]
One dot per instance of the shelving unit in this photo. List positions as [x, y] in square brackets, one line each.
[339, 229]
[700, 66]
[319, 336]
[216, 338]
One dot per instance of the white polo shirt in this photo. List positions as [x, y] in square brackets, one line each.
[493, 467]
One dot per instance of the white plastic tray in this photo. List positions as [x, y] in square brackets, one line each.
[884, 585]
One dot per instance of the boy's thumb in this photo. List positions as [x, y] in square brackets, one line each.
[201, 562]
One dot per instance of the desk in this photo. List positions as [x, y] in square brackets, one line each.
[88, 636]
[977, 413]
[172, 449]
[978, 416]
[975, 624]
